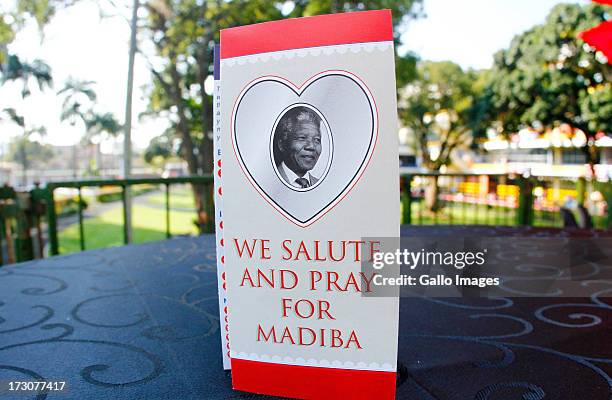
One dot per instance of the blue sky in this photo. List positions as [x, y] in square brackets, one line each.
[469, 32]
[78, 43]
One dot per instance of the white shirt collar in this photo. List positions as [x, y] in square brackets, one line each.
[292, 176]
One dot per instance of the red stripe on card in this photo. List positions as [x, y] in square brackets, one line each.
[297, 33]
[311, 382]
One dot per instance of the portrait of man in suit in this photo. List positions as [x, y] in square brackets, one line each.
[297, 146]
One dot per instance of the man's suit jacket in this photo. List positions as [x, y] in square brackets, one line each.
[281, 171]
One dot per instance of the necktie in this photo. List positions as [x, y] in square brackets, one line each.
[303, 182]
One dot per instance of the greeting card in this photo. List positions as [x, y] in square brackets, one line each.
[310, 170]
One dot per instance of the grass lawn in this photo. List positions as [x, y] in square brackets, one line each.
[181, 197]
[149, 222]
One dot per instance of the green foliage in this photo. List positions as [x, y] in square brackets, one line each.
[14, 117]
[28, 152]
[40, 10]
[440, 105]
[79, 105]
[13, 19]
[19, 120]
[596, 108]
[184, 32]
[7, 35]
[402, 10]
[69, 205]
[159, 147]
[76, 93]
[98, 123]
[16, 69]
[405, 69]
[547, 76]
[22, 149]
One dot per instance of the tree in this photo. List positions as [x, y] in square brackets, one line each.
[29, 153]
[79, 106]
[160, 148]
[183, 33]
[549, 77]
[13, 68]
[439, 106]
[23, 149]
[16, 69]
[79, 97]
[13, 19]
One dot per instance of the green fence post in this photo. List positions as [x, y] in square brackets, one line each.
[520, 212]
[125, 216]
[406, 200]
[51, 222]
[168, 211]
[525, 206]
[37, 196]
[607, 192]
[209, 226]
[24, 247]
[81, 227]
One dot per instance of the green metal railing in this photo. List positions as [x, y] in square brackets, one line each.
[467, 199]
[206, 181]
[496, 199]
[18, 215]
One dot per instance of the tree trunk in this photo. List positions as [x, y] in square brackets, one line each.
[199, 192]
[591, 152]
[205, 193]
[431, 194]
[592, 156]
[206, 145]
[201, 162]
[189, 150]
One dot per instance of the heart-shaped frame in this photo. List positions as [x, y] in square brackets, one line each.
[327, 197]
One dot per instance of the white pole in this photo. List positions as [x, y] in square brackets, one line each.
[127, 139]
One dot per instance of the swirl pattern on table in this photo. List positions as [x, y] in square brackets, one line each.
[142, 321]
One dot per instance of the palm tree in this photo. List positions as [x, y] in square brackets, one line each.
[76, 92]
[14, 69]
[78, 105]
[96, 125]
[23, 141]
[17, 70]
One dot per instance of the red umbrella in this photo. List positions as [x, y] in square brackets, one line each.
[600, 36]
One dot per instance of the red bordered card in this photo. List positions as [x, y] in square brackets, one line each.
[310, 164]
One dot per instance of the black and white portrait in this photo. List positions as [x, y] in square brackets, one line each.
[301, 147]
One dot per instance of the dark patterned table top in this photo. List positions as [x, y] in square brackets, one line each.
[141, 322]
